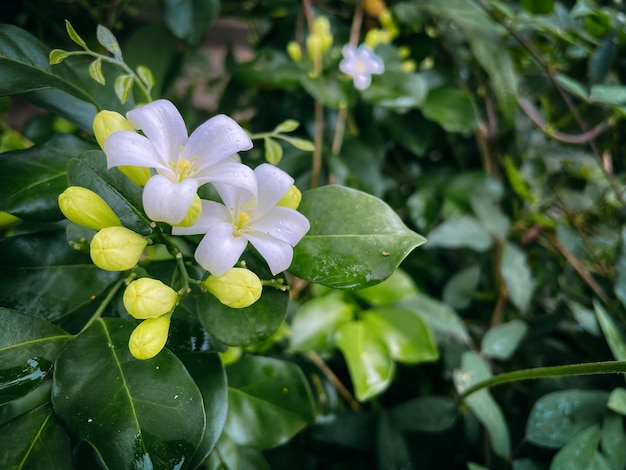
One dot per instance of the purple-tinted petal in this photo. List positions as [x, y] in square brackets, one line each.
[273, 183]
[283, 223]
[362, 81]
[213, 213]
[277, 253]
[349, 51]
[218, 138]
[169, 202]
[230, 172]
[131, 149]
[161, 122]
[219, 250]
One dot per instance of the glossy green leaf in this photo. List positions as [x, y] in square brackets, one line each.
[269, 401]
[612, 438]
[460, 232]
[90, 171]
[501, 341]
[517, 276]
[557, 416]
[485, 408]
[135, 414]
[74, 36]
[25, 66]
[369, 361]
[451, 108]
[288, 125]
[207, 371]
[406, 335]
[95, 71]
[578, 452]
[35, 440]
[441, 317]
[396, 287]
[146, 76]
[32, 179]
[74, 110]
[355, 240]
[228, 455]
[460, 288]
[617, 401]
[614, 336]
[28, 348]
[43, 276]
[273, 151]
[123, 86]
[427, 413]
[190, 19]
[57, 56]
[608, 94]
[315, 322]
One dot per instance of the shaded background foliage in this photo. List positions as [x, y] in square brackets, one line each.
[496, 131]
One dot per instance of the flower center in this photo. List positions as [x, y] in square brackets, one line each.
[361, 65]
[184, 168]
[242, 220]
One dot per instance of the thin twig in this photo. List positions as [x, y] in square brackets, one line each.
[330, 375]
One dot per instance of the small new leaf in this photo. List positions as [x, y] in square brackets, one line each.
[108, 41]
[286, 126]
[74, 35]
[123, 86]
[57, 56]
[95, 71]
[273, 151]
[146, 76]
[302, 144]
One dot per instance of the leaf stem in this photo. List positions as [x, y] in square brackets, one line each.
[330, 375]
[106, 301]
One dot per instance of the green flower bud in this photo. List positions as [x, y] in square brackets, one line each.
[106, 123]
[137, 174]
[237, 288]
[86, 208]
[294, 51]
[116, 248]
[291, 198]
[149, 338]
[193, 214]
[149, 298]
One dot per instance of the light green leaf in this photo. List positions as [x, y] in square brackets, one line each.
[135, 414]
[612, 333]
[301, 144]
[269, 401]
[608, 94]
[573, 86]
[487, 411]
[617, 401]
[578, 452]
[57, 56]
[501, 341]
[517, 276]
[397, 90]
[369, 361]
[612, 438]
[95, 71]
[451, 108]
[460, 232]
[396, 287]
[190, 19]
[273, 151]
[441, 317]
[123, 86]
[74, 36]
[356, 240]
[289, 125]
[108, 40]
[491, 216]
[460, 288]
[146, 76]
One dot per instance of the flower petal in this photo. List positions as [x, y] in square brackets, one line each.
[277, 253]
[161, 122]
[273, 184]
[165, 201]
[219, 250]
[216, 139]
[213, 213]
[230, 172]
[362, 81]
[233, 196]
[283, 223]
[127, 148]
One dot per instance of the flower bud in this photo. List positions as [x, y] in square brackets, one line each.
[106, 123]
[137, 174]
[291, 198]
[149, 298]
[149, 337]
[374, 8]
[86, 208]
[294, 51]
[237, 288]
[116, 248]
[193, 214]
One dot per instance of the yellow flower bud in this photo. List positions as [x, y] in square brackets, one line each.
[237, 288]
[149, 338]
[321, 25]
[137, 174]
[116, 248]
[193, 214]
[376, 36]
[84, 207]
[314, 47]
[106, 123]
[291, 198]
[295, 51]
[374, 8]
[386, 19]
[408, 66]
[149, 298]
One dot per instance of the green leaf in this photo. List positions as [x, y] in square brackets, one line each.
[558, 416]
[620, 278]
[108, 40]
[578, 452]
[355, 240]
[273, 151]
[32, 179]
[518, 183]
[538, 7]
[573, 86]
[392, 450]
[612, 438]
[228, 455]
[300, 144]
[406, 335]
[491, 216]
[123, 86]
[617, 401]
[369, 361]
[501, 341]
[289, 125]
[315, 323]
[95, 71]
[43, 276]
[517, 276]
[439, 316]
[612, 333]
[330, 92]
[135, 414]
[269, 401]
[460, 288]
[25, 66]
[74, 36]
[190, 19]
[462, 231]
[608, 94]
[28, 348]
[487, 411]
[57, 56]
[451, 108]
[90, 171]
[146, 76]
[396, 287]
[35, 440]
[602, 58]
[397, 90]
[427, 413]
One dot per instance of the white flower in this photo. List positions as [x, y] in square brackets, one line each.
[182, 163]
[361, 63]
[273, 230]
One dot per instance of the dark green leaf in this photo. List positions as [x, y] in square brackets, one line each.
[190, 19]
[428, 413]
[451, 108]
[392, 449]
[538, 7]
[460, 288]
[136, 414]
[617, 401]
[269, 401]
[330, 92]
[608, 94]
[228, 455]
[32, 179]
[612, 438]
[612, 332]
[28, 348]
[602, 58]
[441, 317]
[43, 276]
[355, 239]
[397, 90]
[578, 452]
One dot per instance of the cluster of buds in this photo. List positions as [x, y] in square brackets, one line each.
[318, 42]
